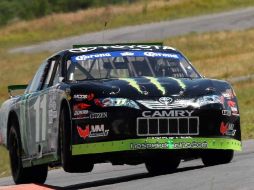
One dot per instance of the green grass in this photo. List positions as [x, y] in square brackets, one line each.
[4, 162]
[62, 25]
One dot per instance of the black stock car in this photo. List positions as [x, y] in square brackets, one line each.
[124, 104]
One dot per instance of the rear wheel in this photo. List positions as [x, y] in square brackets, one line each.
[162, 165]
[34, 174]
[70, 163]
[216, 157]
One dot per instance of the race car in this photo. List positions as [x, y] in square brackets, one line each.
[118, 103]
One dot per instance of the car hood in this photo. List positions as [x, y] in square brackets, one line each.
[148, 87]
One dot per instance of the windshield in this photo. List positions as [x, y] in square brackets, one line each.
[125, 64]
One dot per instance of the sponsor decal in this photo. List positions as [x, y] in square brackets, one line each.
[88, 49]
[80, 97]
[166, 100]
[141, 146]
[157, 84]
[92, 131]
[80, 106]
[227, 129]
[127, 54]
[226, 112]
[98, 103]
[133, 83]
[183, 145]
[169, 113]
[169, 145]
[80, 112]
[155, 54]
[231, 103]
[98, 115]
[52, 108]
[92, 56]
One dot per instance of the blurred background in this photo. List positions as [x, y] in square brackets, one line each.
[26, 26]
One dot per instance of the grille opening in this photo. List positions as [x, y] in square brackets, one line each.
[173, 126]
[193, 123]
[153, 129]
[143, 127]
[163, 123]
[155, 126]
[183, 126]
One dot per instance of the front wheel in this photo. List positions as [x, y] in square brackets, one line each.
[34, 174]
[70, 163]
[216, 157]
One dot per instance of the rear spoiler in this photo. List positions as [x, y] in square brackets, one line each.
[12, 88]
[117, 44]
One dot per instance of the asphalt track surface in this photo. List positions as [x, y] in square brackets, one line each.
[191, 175]
[233, 20]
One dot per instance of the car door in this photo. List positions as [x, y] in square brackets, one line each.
[37, 114]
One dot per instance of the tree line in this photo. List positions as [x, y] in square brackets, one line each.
[11, 10]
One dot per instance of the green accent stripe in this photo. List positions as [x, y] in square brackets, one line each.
[135, 144]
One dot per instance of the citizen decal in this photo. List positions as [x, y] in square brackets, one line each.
[171, 113]
[92, 131]
[98, 115]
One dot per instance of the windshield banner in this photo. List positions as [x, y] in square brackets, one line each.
[124, 54]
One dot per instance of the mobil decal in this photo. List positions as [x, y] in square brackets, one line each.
[80, 97]
[227, 129]
[91, 131]
[170, 113]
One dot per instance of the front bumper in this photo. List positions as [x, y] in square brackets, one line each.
[157, 144]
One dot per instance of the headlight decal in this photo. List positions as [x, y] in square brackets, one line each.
[117, 102]
[211, 99]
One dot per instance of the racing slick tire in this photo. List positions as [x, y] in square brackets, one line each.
[34, 174]
[216, 157]
[163, 165]
[69, 163]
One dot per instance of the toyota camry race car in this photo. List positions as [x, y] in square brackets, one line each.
[118, 103]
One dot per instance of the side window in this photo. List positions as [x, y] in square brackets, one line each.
[37, 81]
[52, 74]
[51, 65]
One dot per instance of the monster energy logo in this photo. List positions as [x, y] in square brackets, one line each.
[157, 84]
[180, 83]
[133, 83]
